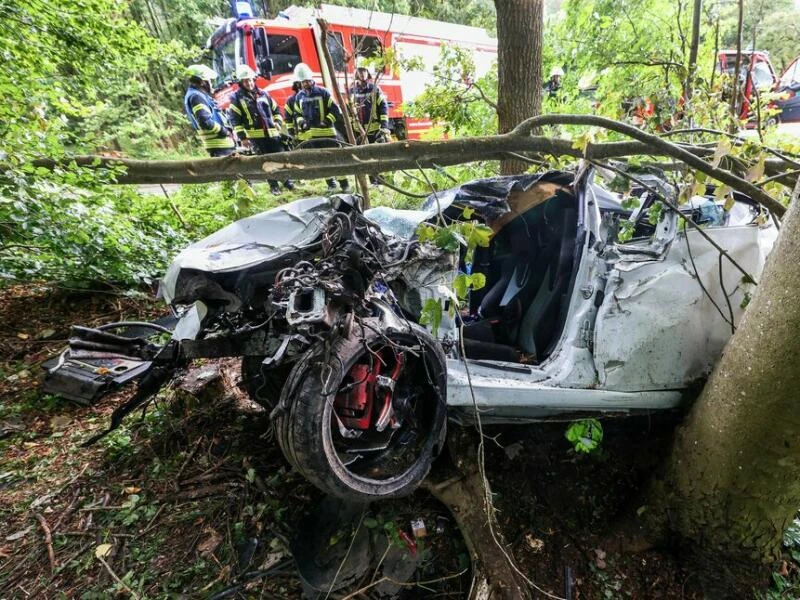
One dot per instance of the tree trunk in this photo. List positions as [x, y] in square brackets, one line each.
[691, 71]
[461, 488]
[732, 482]
[736, 106]
[519, 60]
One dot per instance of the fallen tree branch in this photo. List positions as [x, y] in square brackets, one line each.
[324, 163]
[657, 145]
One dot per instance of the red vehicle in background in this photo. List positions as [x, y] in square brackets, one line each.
[273, 47]
[756, 75]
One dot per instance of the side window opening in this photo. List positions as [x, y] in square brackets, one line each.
[335, 45]
[367, 46]
[284, 52]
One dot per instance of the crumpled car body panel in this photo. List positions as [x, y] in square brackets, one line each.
[638, 329]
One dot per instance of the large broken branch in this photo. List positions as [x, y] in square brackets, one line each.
[323, 163]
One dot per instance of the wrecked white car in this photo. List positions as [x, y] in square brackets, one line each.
[323, 302]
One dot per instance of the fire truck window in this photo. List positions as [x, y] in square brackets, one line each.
[284, 52]
[225, 57]
[367, 45]
[336, 48]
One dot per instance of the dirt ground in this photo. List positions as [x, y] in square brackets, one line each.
[194, 499]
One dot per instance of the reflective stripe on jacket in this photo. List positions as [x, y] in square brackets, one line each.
[319, 112]
[371, 107]
[292, 110]
[207, 119]
[255, 115]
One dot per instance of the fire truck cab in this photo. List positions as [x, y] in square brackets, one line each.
[273, 47]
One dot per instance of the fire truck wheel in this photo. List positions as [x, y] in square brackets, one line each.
[364, 418]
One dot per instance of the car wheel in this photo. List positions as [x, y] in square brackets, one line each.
[772, 122]
[263, 385]
[364, 418]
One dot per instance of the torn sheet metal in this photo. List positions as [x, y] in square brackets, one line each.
[656, 328]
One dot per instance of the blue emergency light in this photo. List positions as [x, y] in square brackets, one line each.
[241, 9]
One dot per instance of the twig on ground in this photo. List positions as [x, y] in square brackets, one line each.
[401, 583]
[347, 554]
[48, 540]
[116, 578]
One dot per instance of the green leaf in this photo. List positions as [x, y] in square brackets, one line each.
[585, 435]
[631, 202]
[626, 229]
[431, 315]
[756, 172]
[478, 281]
[721, 151]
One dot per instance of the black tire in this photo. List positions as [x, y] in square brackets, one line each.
[308, 419]
[263, 385]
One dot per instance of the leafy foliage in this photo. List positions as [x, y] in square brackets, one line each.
[585, 435]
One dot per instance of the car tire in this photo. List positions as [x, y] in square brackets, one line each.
[309, 428]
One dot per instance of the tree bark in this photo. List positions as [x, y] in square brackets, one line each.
[691, 71]
[519, 60]
[459, 486]
[732, 481]
[735, 106]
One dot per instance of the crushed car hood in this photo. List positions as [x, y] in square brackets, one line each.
[255, 240]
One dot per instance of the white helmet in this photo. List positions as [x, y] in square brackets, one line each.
[245, 72]
[363, 63]
[302, 72]
[556, 71]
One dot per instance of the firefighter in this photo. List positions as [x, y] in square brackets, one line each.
[553, 86]
[315, 114]
[256, 119]
[207, 119]
[371, 108]
[292, 110]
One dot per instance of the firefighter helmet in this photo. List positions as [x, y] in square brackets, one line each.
[201, 72]
[245, 72]
[302, 72]
[363, 64]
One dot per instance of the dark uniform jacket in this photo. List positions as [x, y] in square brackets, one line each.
[371, 107]
[255, 115]
[207, 119]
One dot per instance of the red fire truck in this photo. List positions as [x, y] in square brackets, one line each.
[273, 47]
